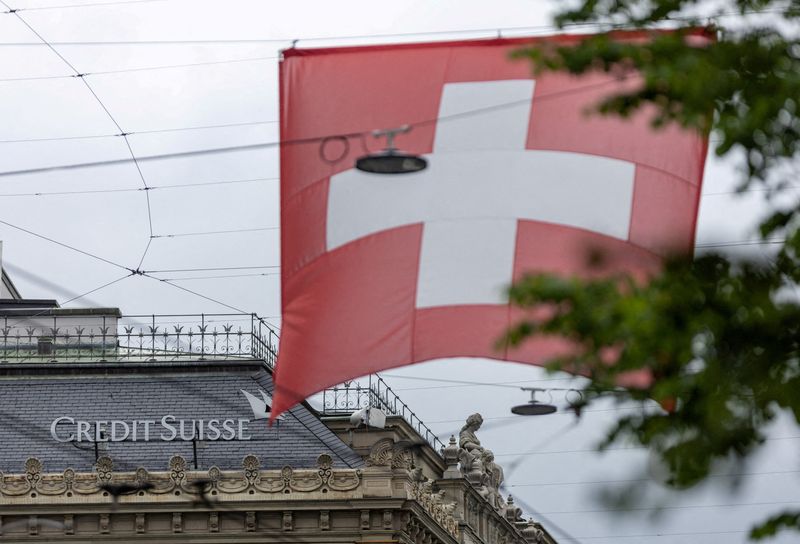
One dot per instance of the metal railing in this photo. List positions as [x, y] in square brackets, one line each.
[137, 338]
[352, 396]
[166, 337]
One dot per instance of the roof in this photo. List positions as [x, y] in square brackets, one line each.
[34, 396]
[49, 307]
[9, 285]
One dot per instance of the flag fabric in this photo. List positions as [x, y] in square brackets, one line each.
[380, 271]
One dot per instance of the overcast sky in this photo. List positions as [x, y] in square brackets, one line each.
[555, 474]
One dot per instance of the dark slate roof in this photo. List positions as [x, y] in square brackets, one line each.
[32, 396]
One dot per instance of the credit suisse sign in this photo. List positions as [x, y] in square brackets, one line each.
[167, 428]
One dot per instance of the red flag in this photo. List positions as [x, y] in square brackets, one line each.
[380, 271]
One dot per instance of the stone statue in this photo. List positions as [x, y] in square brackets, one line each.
[477, 463]
[471, 451]
[494, 480]
[467, 439]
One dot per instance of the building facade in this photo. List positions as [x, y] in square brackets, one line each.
[153, 428]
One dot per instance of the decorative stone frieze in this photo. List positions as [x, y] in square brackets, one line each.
[104, 468]
[177, 478]
[433, 502]
[385, 453]
[390, 494]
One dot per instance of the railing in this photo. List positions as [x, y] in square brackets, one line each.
[136, 338]
[352, 396]
[165, 337]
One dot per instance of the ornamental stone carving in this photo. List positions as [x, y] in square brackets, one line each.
[177, 467]
[532, 533]
[251, 465]
[477, 463]
[511, 512]
[433, 502]
[141, 476]
[450, 456]
[69, 478]
[385, 453]
[179, 478]
[104, 467]
[33, 469]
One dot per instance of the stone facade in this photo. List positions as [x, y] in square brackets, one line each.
[462, 483]
[389, 499]
[319, 504]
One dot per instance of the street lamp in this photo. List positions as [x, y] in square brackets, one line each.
[533, 407]
[391, 160]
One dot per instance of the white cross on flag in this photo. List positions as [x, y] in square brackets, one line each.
[380, 271]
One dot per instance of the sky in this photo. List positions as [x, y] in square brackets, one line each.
[549, 462]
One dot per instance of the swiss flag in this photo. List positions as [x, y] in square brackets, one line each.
[380, 271]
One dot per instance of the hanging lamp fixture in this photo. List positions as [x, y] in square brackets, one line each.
[533, 407]
[391, 160]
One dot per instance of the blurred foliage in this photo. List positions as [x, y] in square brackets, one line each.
[718, 338]
[775, 524]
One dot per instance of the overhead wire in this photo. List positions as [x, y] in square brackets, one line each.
[111, 117]
[466, 383]
[560, 413]
[278, 40]
[87, 293]
[644, 535]
[492, 32]
[208, 269]
[750, 190]
[669, 507]
[88, 5]
[147, 274]
[213, 232]
[620, 448]
[137, 132]
[736, 243]
[224, 276]
[67, 246]
[312, 139]
[135, 189]
[143, 68]
[51, 286]
[642, 480]
[275, 328]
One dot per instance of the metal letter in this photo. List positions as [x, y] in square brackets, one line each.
[55, 425]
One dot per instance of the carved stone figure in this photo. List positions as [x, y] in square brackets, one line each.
[471, 451]
[467, 439]
[494, 480]
[477, 463]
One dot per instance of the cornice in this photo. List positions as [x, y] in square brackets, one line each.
[250, 490]
[104, 484]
